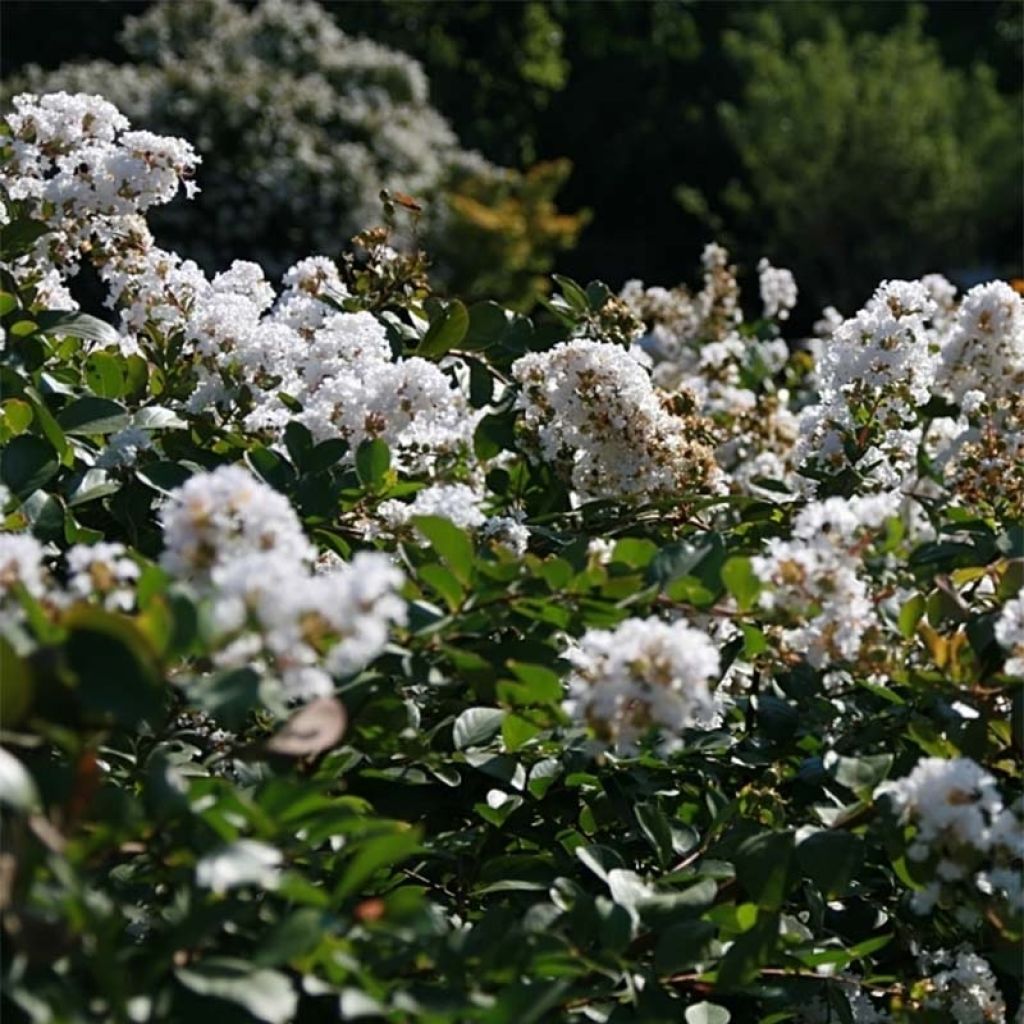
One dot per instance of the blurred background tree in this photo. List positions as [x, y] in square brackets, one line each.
[851, 141]
[301, 126]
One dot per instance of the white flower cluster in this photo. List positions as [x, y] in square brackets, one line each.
[862, 1009]
[911, 342]
[962, 984]
[219, 518]
[778, 290]
[242, 543]
[75, 166]
[103, 571]
[1009, 631]
[243, 862]
[592, 411]
[697, 348]
[339, 366]
[984, 349]
[815, 580]
[676, 319]
[458, 503]
[645, 674]
[974, 843]
[21, 567]
[240, 546]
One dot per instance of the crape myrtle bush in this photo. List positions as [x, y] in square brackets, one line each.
[369, 656]
[300, 126]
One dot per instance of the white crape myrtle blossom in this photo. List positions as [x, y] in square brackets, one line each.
[104, 571]
[124, 448]
[411, 404]
[458, 503]
[243, 862]
[593, 412]
[862, 1009]
[350, 607]
[884, 354]
[880, 363]
[961, 983]
[21, 565]
[984, 350]
[79, 170]
[778, 290]
[1009, 631]
[814, 578]
[645, 674]
[339, 366]
[697, 348]
[962, 826]
[241, 542]
[507, 531]
[218, 517]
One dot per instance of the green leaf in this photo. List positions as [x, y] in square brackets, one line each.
[17, 787]
[450, 543]
[517, 730]
[542, 777]
[488, 322]
[374, 854]
[291, 938]
[27, 463]
[599, 859]
[16, 685]
[299, 442]
[104, 376]
[439, 579]
[229, 697]
[542, 686]
[373, 460]
[707, 1013]
[860, 774]
[476, 726]
[50, 427]
[831, 859]
[45, 515]
[572, 293]
[910, 615]
[93, 416]
[77, 325]
[655, 828]
[740, 580]
[749, 952]
[117, 674]
[19, 236]
[157, 417]
[636, 552]
[163, 476]
[268, 995]
[92, 484]
[764, 867]
[17, 415]
[685, 558]
[445, 332]
[682, 945]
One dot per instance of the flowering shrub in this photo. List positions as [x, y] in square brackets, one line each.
[300, 127]
[371, 656]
